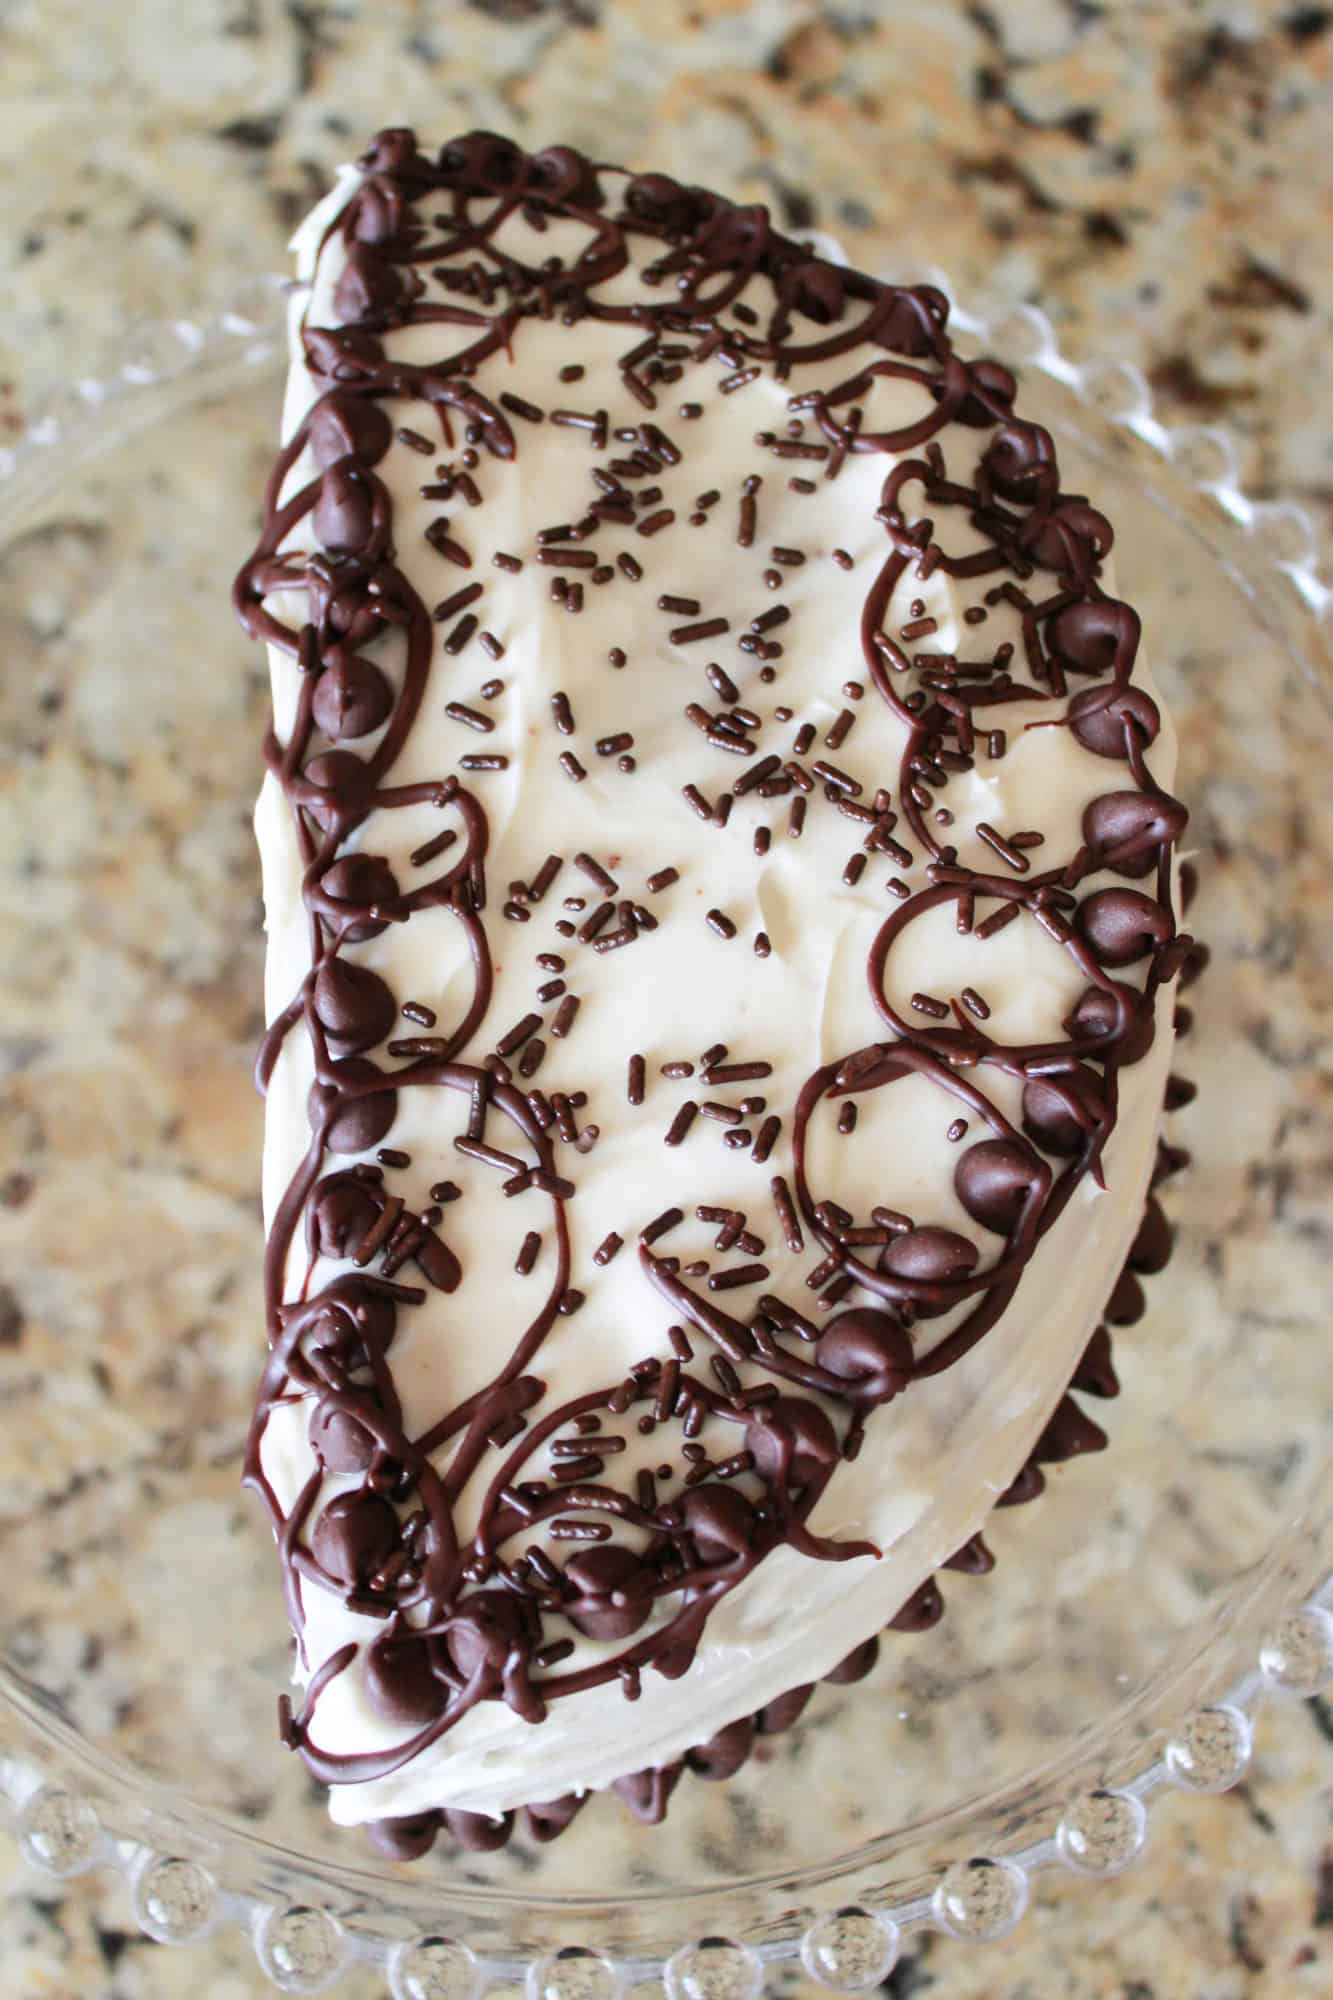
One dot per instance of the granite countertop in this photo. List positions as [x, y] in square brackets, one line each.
[1155, 174]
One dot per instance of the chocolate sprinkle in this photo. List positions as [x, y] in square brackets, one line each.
[741, 1274]
[682, 1122]
[459, 601]
[703, 628]
[788, 1219]
[458, 711]
[596, 873]
[767, 1137]
[431, 849]
[564, 1016]
[1004, 915]
[520, 407]
[738, 1072]
[528, 1253]
[1006, 851]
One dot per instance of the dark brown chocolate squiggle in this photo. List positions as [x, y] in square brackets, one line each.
[462, 1622]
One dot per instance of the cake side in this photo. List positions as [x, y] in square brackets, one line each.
[470, 1628]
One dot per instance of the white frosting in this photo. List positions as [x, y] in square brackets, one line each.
[934, 1460]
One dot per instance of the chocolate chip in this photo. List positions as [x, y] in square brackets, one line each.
[354, 1006]
[354, 1536]
[720, 1520]
[1060, 1112]
[351, 696]
[1128, 1301]
[355, 884]
[613, 1591]
[368, 283]
[1152, 1246]
[1095, 635]
[341, 1212]
[483, 1631]
[478, 1833]
[1020, 461]
[340, 782]
[857, 1664]
[993, 1180]
[357, 1122]
[647, 1793]
[929, 1256]
[340, 1443]
[792, 1434]
[1069, 1434]
[784, 1711]
[344, 513]
[1122, 925]
[401, 1682]
[973, 1558]
[870, 1351]
[1118, 1018]
[405, 1839]
[723, 1754]
[545, 1821]
[924, 1608]
[342, 426]
[1126, 829]
[347, 1320]
[1095, 1374]
[1099, 722]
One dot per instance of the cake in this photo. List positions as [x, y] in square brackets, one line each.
[720, 873]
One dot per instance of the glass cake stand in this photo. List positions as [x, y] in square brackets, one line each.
[1139, 1610]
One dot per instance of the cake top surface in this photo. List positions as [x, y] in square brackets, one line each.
[706, 719]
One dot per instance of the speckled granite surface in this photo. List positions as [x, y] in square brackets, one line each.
[1155, 175]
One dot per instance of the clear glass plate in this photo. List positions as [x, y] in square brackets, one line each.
[1138, 1610]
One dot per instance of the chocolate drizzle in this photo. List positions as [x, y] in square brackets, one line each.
[466, 1622]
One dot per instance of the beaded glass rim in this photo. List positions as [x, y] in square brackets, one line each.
[309, 1924]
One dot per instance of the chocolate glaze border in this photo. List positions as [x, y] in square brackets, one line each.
[472, 1637]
